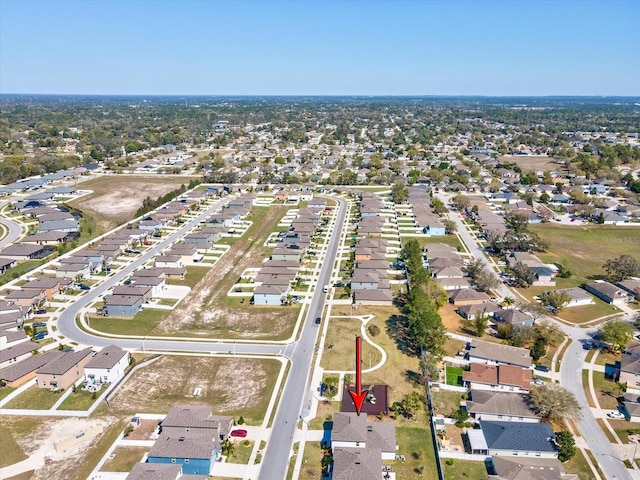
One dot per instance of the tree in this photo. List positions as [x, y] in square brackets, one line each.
[539, 349]
[535, 310]
[461, 202]
[617, 334]
[409, 406]
[399, 193]
[551, 332]
[523, 335]
[486, 280]
[480, 323]
[330, 386]
[439, 208]
[566, 445]
[449, 226]
[424, 323]
[552, 401]
[523, 275]
[508, 301]
[227, 447]
[555, 299]
[622, 267]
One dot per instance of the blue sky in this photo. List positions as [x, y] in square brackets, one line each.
[300, 47]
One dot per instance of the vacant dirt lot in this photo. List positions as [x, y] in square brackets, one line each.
[533, 162]
[115, 199]
[232, 386]
[208, 311]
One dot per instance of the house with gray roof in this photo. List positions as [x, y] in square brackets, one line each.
[19, 373]
[609, 293]
[64, 371]
[123, 305]
[156, 471]
[500, 406]
[196, 420]
[508, 468]
[16, 353]
[479, 351]
[22, 251]
[196, 455]
[107, 366]
[511, 439]
[360, 446]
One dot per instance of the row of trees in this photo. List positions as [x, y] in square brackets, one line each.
[148, 204]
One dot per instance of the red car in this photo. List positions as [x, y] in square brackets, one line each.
[239, 433]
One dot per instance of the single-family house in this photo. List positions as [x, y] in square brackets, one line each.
[134, 290]
[513, 317]
[6, 264]
[479, 351]
[23, 251]
[123, 305]
[19, 373]
[107, 366]
[16, 353]
[375, 296]
[170, 261]
[508, 378]
[63, 371]
[500, 406]
[362, 446]
[50, 285]
[467, 296]
[513, 439]
[608, 292]
[270, 294]
[529, 468]
[196, 455]
[470, 311]
[155, 471]
[26, 298]
[196, 420]
[577, 297]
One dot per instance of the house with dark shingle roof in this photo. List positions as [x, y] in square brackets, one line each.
[500, 406]
[19, 373]
[107, 365]
[479, 351]
[196, 455]
[155, 471]
[513, 439]
[16, 353]
[64, 371]
[510, 378]
[360, 446]
[509, 468]
[609, 293]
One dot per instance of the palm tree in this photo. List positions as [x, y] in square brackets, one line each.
[227, 447]
[508, 301]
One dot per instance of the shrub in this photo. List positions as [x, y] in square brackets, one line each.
[373, 330]
[241, 420]
[449, 461]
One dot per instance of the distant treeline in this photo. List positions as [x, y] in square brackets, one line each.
[148, 204]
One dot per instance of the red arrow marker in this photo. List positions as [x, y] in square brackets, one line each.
[358, 396]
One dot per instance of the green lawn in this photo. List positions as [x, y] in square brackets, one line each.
[5, 391]
[464, 469]
[11, 451]
[311, 467]
[241, 452]
[416, 445]
[124, 459]
[578, 465]
[35, 398]
[192, 276]
[144, 322]
[451, 240]
[454, 376]
[20, 269]
[584, 250]
[78, 400]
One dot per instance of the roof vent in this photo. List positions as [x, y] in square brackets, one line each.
[181, 439]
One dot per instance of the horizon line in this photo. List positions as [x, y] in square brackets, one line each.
[340, 95]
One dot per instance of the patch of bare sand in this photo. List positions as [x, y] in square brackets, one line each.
[171, 380]
[125, 198]
[41, 443]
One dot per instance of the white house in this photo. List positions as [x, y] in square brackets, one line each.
[107, 366]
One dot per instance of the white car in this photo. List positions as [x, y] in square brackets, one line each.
[615, 414]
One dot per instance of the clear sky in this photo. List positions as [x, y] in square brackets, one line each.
[304, 47]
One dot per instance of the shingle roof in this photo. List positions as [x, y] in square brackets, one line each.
[155, 471]
[349, 427]
[356, 463]
[63, 364]
[500, 353]
[520, 436]
[106, 358]
[519, 468]
[499, 403]
[28, 365]
[183, 447]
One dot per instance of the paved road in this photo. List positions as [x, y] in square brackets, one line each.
[295, 396]
[14, 230]
[570, 371]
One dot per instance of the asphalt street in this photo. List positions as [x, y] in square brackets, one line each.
[13, 230]
[296, 394]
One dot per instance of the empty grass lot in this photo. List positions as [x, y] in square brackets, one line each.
[341, 337]
[143, 323]
[11, 451]
[451, 240]
[124, 458]
[583, 250]
[35, 398]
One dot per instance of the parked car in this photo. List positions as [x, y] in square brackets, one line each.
[542, 368]
[587, 345]
[239, 433]
[537, 381]
[41, 311]
[615, 414]
[39, 324]
[82, 286]
[318, 320]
